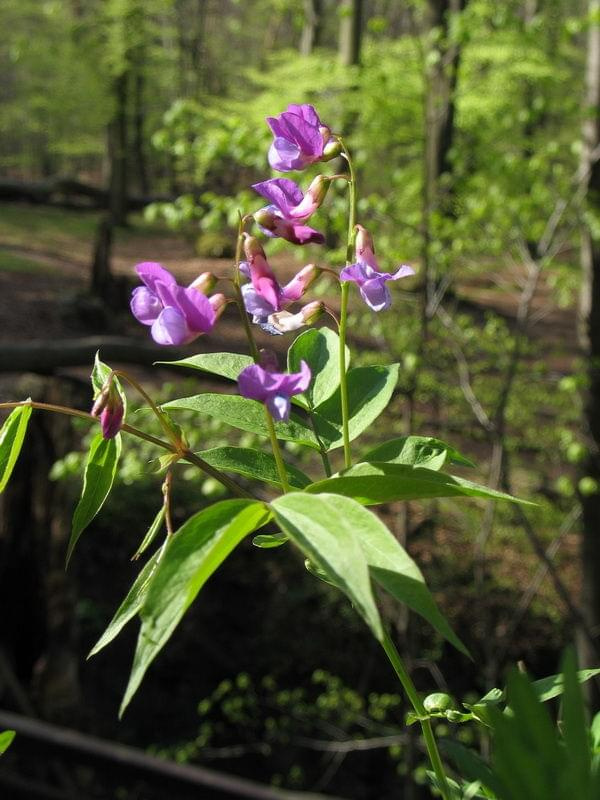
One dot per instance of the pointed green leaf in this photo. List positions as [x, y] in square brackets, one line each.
[574, 728]
[373, 483]
[417, 451]
[553, 685]
[191, 556]
[470, 765]
[268, 540]
[320, 348]
[12, 437]
[100, 470]
[248, 415]
[252, 464]
[226, 365]
[131, 605]
[328, 529]
[369, 392]
[152, 533]
[6, 738]
[397, 573]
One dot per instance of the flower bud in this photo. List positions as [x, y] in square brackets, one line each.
[312, 311]
[252, 247]
[109, 407]
[268, 360]
[318, 189]
[266, 219]
[363, 242]
[301, 281]
[332, 149]
[218, 302]
[437, 702]
[205, 282]
[285, 322]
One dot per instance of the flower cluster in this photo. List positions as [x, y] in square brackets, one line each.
[177, 315]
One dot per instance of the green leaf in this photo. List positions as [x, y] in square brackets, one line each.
[151, 534]
[248, 415]
[6, 738]
[226, 365]
[268, 540]
[12, 437]
[329, 529]
[574, 727]
[369, 392]
[397, 573]
[470, 765]
[553, 685]
[480, 709]
[417, 451]
[131, 605]
[100, 470]
[320, 348]
[252, 464]
[373, 483]
[191, 556]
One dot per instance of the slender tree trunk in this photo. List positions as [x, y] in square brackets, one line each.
[589, 331]
[118, 151]
[139, 119]
[313, 26]
[350, 31]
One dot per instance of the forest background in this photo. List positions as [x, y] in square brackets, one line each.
[130, 131]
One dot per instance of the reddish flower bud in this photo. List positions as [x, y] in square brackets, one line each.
[109, 407]
[204, 283]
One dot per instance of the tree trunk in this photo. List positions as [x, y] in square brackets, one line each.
[139, 118]
[118, 151]
[589, 334]
[313, 26]
[350, 31]
[101, 282]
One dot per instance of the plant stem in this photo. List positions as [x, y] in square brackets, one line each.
[229, 483]
[417, 704]
[277, 452]
[344, 307]
[118, 373]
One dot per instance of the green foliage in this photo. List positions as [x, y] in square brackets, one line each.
[226, 365]
[6, 738]
[12, 436]
[417, 451]
[190, 557]
[98, 477]
[253, 464]
[372, 483]
[320, 349]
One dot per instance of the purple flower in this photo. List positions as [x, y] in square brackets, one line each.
[365, 273]
[264, 295]
[272, 388]
[289, 208]
[299, 139]
[109, 407]
[177, 314]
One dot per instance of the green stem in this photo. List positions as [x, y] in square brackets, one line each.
[344, 307]
[417, 704]
[186, 454]
[277, 452]
[322, 450]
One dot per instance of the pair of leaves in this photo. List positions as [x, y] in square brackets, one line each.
[172, 578]
[351, 546]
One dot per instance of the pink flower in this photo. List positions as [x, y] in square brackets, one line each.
[273, 388]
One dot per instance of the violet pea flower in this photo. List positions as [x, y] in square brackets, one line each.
[264, 295]
[290, 208]
[366, 275]
[272, 388]
[300, 138]
[177, 314]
